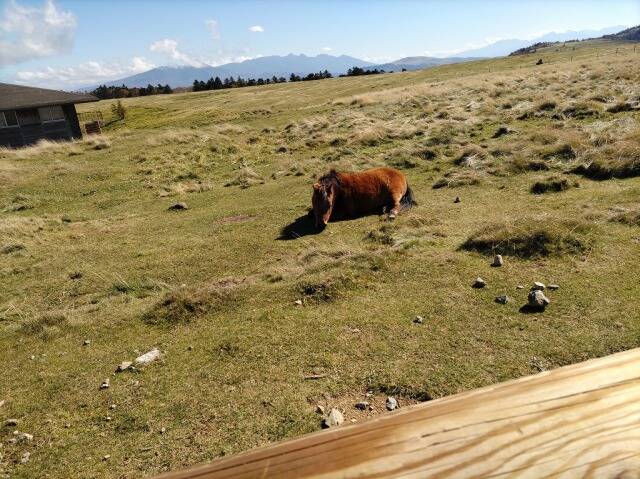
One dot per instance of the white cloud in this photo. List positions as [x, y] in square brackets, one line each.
[170, 48]
[34, 32]
[327, 49]
[212, 26]
[84, 74]
[256, 29]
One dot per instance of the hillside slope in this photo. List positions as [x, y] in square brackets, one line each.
[259, 319]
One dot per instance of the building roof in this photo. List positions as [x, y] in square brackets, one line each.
[18, 96]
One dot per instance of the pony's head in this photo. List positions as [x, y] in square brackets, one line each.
[324, 196]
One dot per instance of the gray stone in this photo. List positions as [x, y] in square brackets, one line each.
[479, 283]
[519, 287]
[104, 384]
[333, 419]
[148, 357]
[391, 403]
[502, 299]
[497, 261]
[537, 285]
[87, 342]
[180, 205]
[537, 300]
[362, 405]
[11, 423]
[418, 320]
[25, 457]
[553, 287]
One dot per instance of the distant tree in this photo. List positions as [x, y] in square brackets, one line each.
[217, 84]
[118, 110]
[167, 89]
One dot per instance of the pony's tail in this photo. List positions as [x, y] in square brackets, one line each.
[408, 200]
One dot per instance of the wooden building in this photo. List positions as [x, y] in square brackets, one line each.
[30, 114]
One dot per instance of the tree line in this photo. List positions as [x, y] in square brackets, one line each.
[106, 92]
[357, 71]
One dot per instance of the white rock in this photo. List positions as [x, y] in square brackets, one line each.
[11, 422]
[148, 357]
[25, 457]
[333, 419]
[319, 409]
[479, 283]
[391, 403]
[497, 261]
[298, 302]
[105, 384]
[124, 365]
[22, 436]
[87, 342]
[537, 285]
[418, 320]
[2, 403]
[553, 287]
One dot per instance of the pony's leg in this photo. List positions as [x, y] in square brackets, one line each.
[396, 206]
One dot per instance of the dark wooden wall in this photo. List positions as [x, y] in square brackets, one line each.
[57, 130]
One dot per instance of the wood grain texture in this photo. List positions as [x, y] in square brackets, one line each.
[577, 421]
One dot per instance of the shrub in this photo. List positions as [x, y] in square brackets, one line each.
[613, 161]
[629, 218]
[119, 111]
[551, 185]
[530, 238]
[185, 304]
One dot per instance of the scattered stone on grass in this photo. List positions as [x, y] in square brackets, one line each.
[11, 423]
[22, 436]
[502, 299]
[418, 320]
[537, 301]
[148, 357]
[520, 286]
[104, 384]
[298, 302]
[25, 457]
[320, 409]
[538, 286]
[333, 419]
[87, 342]
[479, 283]
[180, 205]
[553, 287]
[497, 261]
[106, 457]
[123, 366]
[457, 200]
[362, 405]
[391, 403]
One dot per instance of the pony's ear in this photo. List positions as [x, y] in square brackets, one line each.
[316, 186]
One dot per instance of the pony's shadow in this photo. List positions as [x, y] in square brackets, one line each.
[301, 226]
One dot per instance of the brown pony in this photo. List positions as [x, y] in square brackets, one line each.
[339, 196]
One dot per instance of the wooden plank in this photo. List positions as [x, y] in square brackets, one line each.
[577, 421]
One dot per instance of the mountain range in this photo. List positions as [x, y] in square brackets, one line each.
[268, 66]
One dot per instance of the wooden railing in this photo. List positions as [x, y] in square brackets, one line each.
[577, 421]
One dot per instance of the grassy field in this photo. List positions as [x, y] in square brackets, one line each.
[90, 251]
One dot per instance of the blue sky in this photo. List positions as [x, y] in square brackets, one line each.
[64, 43]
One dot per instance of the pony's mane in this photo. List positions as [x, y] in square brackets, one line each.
[330, 179]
